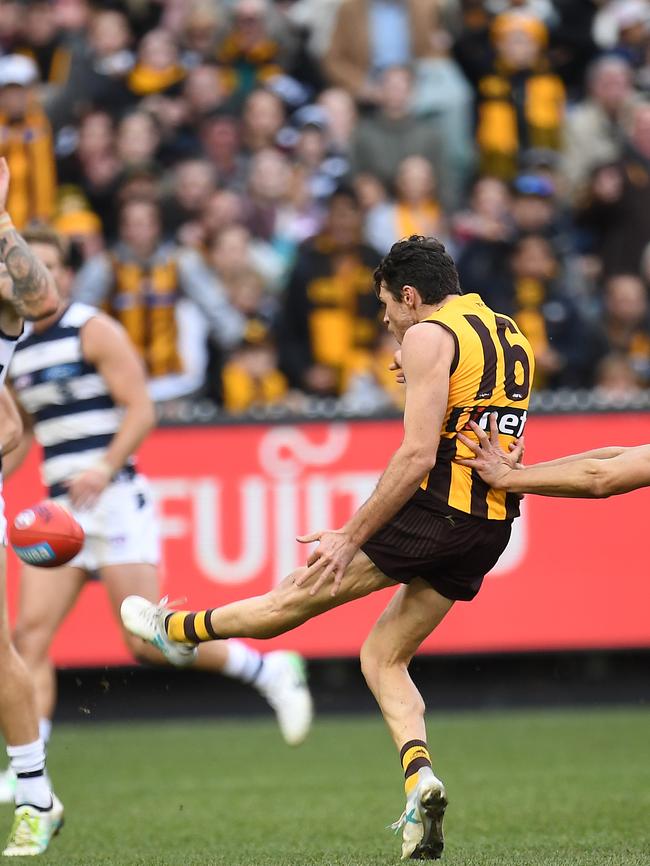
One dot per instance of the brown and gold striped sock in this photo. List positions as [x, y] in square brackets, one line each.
[414, 755]
[187, 626]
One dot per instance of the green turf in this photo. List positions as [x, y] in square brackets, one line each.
[545, 789]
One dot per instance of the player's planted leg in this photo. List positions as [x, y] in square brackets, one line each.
[412, 614]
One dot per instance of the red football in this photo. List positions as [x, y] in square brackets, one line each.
[46, 535]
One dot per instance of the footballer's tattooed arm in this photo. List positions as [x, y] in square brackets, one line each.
[27, 289]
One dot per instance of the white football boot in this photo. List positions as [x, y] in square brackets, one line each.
[33, 830]
[7, 786]
[285, 688]
[421, 820]
[147, 621]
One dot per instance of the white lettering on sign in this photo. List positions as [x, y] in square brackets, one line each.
[300, 489]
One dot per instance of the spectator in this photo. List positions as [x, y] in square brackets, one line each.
[595, 130]
[207, 89]
[625, 328]
[200, 34]
[533, 295]
[78, 224]
[258, 45]
[232, 251]
[99, 67]
[262, 119]
[140, 282]
[42, 41]
[251, 377]
[158, 69]
[415, 211]
[269, 213]
[520, 102]
[193, 183]
[371, 36]
[341, 118]
[616, 380]
[381, 142]
[221, 144]
[330, 315]
[138, 139]
[488, 218]
[617, 206]
[26, 143]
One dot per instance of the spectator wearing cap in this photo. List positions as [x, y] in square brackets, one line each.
[616, 208]
[26, 143]
[77, 223]
[161, 296]
[594, 132]
[330, 314]
[371, 36]
[415, 210]
[383, 141]
[520, 101]
[322, 165]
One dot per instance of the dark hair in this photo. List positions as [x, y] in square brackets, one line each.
[47, 237]
[345, 190]
[421, 262]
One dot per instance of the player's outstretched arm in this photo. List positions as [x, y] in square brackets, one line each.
[593, 475]
[427, 354]
[28, 290]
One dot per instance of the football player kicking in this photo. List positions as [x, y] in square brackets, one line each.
[27, 291]
[595, 474]
[82, 391]
[430, 525]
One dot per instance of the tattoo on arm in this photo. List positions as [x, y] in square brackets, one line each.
[31, 279]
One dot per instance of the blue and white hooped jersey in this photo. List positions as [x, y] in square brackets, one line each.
[74, 415]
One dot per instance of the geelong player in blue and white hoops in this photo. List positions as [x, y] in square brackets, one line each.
[27, 292]
[82, 392]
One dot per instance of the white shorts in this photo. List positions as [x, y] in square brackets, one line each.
[120, 529]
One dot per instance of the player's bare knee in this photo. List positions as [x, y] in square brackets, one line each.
[32, 640]
[369, 664]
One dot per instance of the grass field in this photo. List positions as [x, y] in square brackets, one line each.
[531, 789]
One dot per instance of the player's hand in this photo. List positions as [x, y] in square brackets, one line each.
[334, 553]
[397, 365]
[5, 176]
[86, 487]
[490, 460]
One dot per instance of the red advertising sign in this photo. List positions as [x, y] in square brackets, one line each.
[232, 500]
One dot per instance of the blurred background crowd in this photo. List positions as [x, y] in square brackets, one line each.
[229, 173]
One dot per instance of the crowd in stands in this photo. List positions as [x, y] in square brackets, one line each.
[228, 174]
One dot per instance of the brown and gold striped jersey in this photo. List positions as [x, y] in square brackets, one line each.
[492, 372]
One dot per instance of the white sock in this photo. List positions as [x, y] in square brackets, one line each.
[45, 730]
[28, 763]
[243, 662]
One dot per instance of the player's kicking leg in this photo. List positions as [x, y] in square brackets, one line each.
[39, 814]
[412, 614]
[279, 676]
